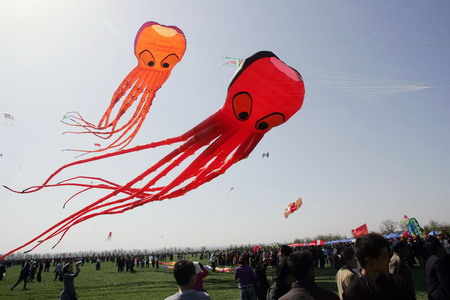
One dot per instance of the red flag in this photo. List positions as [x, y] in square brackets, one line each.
[359, 231]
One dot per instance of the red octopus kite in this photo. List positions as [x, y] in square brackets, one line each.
[158, 49]
[264, 93]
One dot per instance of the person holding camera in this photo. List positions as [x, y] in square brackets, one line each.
[69, 275]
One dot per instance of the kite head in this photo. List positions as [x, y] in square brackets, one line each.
[159, 47]
[264, 93]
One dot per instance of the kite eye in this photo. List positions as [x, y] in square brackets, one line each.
[147, 58]
[242, 106]
[270, 121]
[169, 61]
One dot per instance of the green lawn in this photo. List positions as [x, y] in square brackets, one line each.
[147, 283]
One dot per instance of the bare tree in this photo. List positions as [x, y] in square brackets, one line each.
[388, 226]
[433, 225]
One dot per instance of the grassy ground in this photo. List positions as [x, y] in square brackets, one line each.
[147, 283]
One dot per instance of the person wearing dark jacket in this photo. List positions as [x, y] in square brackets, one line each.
[374, 282]
[68, 275]
[283, 281]
[399, 264]
[24, 274]
[261, 282]
[301, 266]
[2, 270]
[437, 271]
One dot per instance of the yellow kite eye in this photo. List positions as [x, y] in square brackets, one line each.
[242, 106]
[270, 121]
[147, 58]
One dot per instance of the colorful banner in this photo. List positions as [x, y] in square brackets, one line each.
[359, 231]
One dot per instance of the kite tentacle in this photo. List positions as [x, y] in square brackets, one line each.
[132, 96]
[128, 82]
[241, 152]
[134, 123]
[80, 215]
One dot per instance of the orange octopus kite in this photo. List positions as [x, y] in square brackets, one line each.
[158, 49]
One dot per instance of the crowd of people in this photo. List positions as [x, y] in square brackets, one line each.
[370, 268]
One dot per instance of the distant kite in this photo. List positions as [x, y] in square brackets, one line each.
[9, 119]
[292, 207]
[413, 226]
[229, 191]
[263, 94]
[265, 154]
[233, 62]
[158, 49]
[109, 236]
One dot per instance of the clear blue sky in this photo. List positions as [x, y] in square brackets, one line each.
[354, 155]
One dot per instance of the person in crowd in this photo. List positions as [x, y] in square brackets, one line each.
[301, 266]
[212, 260]
[120, 264]
[246, 277]
[130, 266]
[283, 281]
[58, 269]
[285, 251]
[24, 274]
[322, 257]
[2, 270]
[346, 273]
[69, 293]
[420, 252]
[47, 266]
[185, 276]
[32, 271]
[201, 272]
[40, 268]
[261, 282]
[375, 282]
[436, 270]
[273, 259]
[98, 264]
[399, 264]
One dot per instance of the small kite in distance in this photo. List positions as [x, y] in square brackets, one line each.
[9, 119]
[292, 207]
[233, 62]
[109, 237]
[265, 154]
[231, 189]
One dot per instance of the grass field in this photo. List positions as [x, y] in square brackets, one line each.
[147, 283]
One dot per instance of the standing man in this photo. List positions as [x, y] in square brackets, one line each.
[24, 274]
[346, 273]
[399, 265]
[301, 266]
[246, 277]
[185, 276]
[2, 269]
[375, 282]
[58, 269]
[437, 271]
[97, 264]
